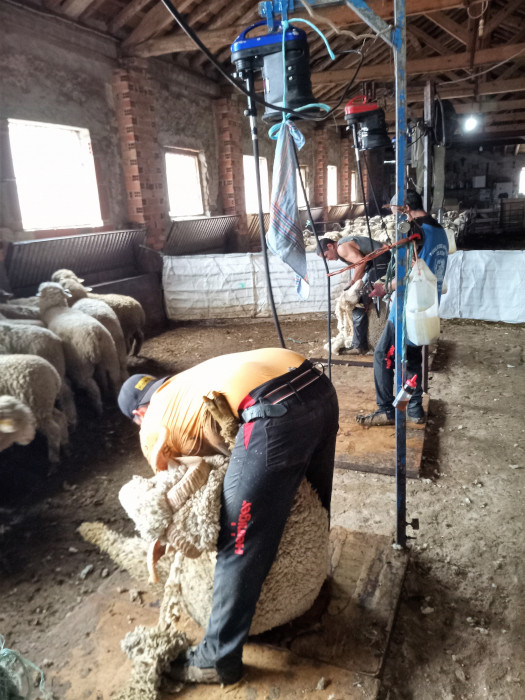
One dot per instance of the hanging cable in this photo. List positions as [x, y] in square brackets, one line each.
[328, 285]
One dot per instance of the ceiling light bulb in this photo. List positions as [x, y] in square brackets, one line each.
[471, 123]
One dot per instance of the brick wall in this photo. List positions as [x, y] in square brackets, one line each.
[231, 174]
[320, 171]
[141, 155]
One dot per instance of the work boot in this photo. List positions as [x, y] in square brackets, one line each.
[184, 669]
[416, 418]
[355, 351]
[376, 418]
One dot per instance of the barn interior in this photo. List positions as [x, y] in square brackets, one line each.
[130, 156]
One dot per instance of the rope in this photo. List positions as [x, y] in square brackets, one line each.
[376, 254]
[15, 672]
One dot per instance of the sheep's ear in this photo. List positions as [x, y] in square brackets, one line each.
[7, 425]
[80, 279]
[88, 289]
[67, 292]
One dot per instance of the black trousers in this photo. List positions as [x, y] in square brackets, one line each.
[360, 315]
[384, 366]
[269, 460]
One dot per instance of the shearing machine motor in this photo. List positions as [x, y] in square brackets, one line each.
[251, 54]
[369, 120]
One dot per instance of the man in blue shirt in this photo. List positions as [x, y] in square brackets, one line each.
[433, 249]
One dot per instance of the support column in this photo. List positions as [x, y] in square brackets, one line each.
[231, 171]
[320, 167]
[10, 217]
[141, 155]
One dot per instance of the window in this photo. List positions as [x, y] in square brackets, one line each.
[184, 183]
[522, 182]
[331, 186]
[250, 185]
[353, 187]
[304, 175]
[55, 175]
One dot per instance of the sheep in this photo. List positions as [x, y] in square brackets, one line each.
[21, 321]
[292, 585]
[30, 340]
[88, 347]
[36, 383]
[344, 307]
[128, 310]
[96, 308]
[17, 422]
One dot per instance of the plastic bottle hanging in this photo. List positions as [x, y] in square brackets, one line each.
[405, 394]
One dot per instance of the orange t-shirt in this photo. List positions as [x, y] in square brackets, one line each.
[177, 405]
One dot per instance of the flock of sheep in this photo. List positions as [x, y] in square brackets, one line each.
[63, 341]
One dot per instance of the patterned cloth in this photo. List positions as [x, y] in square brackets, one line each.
[285, 235]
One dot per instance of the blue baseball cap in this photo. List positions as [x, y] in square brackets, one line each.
[136, 391]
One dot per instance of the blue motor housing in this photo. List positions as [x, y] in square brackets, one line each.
[265, 53]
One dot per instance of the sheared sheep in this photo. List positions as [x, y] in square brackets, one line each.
[36, 383]
[128, 310]
[30, 340]
[292, 585]
[91, 357]
[17, 422]
[96, 308]
[344, 308]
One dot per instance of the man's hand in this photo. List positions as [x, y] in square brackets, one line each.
[219, 409]
[378, 291]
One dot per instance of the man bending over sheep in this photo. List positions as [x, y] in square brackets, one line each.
[288, 420]
[352, 250]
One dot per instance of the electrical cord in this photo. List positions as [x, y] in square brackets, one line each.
[177, 16]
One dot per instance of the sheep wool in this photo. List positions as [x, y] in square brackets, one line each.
[17, 422]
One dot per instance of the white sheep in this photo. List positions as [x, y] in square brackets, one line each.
[96, 308]
[17, 422]
[36, 383]
[91, 357]
[128, 310]
[21, 339]
[344, 308]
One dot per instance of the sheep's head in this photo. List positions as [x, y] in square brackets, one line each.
[75, 288]
[17, 422]
[64, 273]
[52, 294]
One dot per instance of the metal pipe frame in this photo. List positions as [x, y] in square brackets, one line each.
[396, 38]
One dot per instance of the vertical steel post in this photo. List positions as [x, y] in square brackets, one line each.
[399, 36]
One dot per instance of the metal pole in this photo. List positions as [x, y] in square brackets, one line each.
[399, 35]
[428, 104]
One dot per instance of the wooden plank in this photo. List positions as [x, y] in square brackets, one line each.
[449, 25]
[74, 8]
[458, 91]
[154, 22]
[215, 39]
[344, 637]
[364, 591]
[128, 12]
[435, 64]
[508, 9]
[369, 449]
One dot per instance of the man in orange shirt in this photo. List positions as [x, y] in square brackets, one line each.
[288, 414]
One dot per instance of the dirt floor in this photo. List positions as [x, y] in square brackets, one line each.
[459, 632]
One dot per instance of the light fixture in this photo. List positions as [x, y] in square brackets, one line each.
[471, 123]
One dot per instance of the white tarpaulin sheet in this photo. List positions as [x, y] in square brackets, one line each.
[486, 285]
[233, 286]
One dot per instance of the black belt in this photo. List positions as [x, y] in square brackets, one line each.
[267, 405]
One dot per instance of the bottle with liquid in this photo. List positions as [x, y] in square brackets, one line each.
[404, 396]
[422, 305]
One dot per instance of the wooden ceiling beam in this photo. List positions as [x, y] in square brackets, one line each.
[216, 39]
[489, 106]
[128, 12]
[423, 66]
[426, 40]
[509, 9]
[458, 91]
[154, 22]
[449, 25]
[74, 8]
